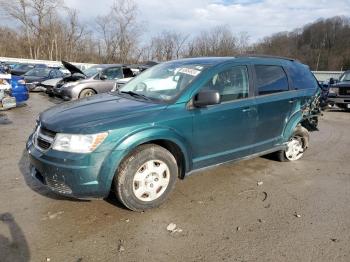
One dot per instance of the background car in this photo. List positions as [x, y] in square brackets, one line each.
[100, 82]
[19, 89]
[339, 91]
[34, 77]
[76, 74]
[21, 69]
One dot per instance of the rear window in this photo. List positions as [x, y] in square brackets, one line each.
[302, 77]
[270, 79]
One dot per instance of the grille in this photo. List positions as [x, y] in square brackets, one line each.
[344, 91]
[58, 186]
[43, 138]
[43, 144]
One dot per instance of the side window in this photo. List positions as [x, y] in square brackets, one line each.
[270, 79]
[113, 73]
[231, 83]
[302, 77]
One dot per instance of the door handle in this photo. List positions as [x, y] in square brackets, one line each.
[247, 109]
[291, 101]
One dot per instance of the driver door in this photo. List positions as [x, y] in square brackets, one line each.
[225, 131]
[112, 75]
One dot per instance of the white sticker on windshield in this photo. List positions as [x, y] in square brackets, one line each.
[189, 71]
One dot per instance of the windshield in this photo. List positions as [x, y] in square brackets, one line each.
[345, 77]
[40, 72]
[92, 71]
[23, 67]
[165, 81]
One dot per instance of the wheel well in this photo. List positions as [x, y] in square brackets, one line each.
[176, 151]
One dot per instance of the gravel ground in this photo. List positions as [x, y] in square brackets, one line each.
[299, 213]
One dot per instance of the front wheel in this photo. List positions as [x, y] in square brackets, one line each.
[296, 145]
[146, 177]
[87, 92]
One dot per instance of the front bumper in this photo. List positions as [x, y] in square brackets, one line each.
[68, 174]
[339, 99]
[63, 93]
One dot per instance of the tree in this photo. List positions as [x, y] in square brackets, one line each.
[166, 46]
[218, 41]
[119, 31]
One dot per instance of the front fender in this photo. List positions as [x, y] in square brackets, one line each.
[129, 143]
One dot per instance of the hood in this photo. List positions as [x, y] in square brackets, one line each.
[72, 68]
[342, 84]
[51, 82]
[31, 79]
[94, 114]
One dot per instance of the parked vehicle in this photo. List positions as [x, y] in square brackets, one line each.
[19, 89]
[75, 75]
[100, 82]
[33, 78]
[7, 101]
[21, 69]
[137, 141]
[339, 91]
[4, 68]
[12, 91]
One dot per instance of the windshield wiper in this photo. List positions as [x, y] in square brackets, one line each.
[131, 93]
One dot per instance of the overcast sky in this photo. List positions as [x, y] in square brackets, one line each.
[257, 17]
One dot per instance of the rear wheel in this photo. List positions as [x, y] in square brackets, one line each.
[87, 92]
[296, 145]
[146, 177]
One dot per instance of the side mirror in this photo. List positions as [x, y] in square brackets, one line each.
[206, 98]
[331, 81]
[103, 77]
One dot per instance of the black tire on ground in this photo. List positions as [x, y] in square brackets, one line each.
[124, 183]
[87, 92]
[301, 133]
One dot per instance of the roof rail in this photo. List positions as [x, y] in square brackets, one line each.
[267, 56]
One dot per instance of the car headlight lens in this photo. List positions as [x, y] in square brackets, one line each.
[21, 82]
[334, 90]
[78, 143]
[69, 84]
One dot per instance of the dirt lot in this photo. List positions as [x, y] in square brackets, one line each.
[221, 211]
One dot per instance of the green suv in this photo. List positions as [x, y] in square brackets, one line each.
[172, 119]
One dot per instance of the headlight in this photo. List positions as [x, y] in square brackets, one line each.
[21, 82]
[69, 84]
[334, 90]
[78, 143]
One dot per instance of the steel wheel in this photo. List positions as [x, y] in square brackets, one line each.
[89, 93]
[295, 149]
[151, 180]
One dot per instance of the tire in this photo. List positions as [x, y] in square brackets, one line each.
[87, 92]
[301, 136]
[146, 177]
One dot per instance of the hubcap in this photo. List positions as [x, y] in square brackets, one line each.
[151, 180]
[89, 93]
[295, 149]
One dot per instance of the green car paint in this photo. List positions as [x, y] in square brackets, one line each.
[201, 137]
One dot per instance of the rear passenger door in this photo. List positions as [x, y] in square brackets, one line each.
[274, 101]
